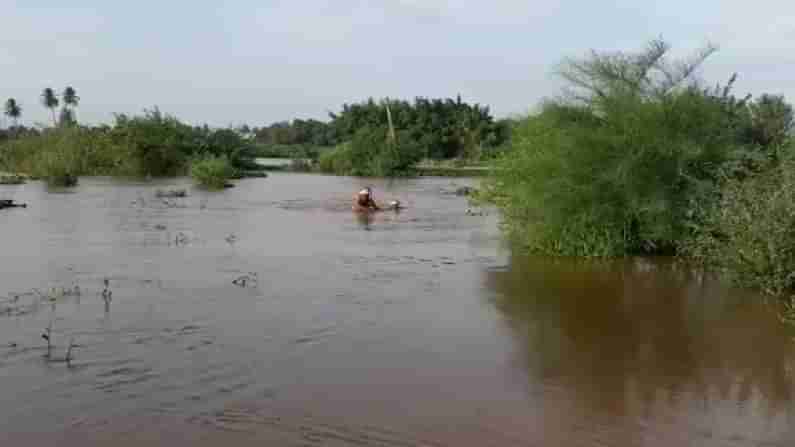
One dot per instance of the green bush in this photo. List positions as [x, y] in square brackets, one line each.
[622, 182]
[372, 154]
[212, 171]
[338, 160]
[749, 233]
[616, 168]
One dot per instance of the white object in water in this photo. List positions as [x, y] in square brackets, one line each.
[395, 204]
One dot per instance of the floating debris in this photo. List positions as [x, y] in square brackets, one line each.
[171, 193]
[181, 238]
[5, 203]
[247, 280]
[471, 212]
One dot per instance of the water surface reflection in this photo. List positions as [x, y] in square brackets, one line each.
[647, 353]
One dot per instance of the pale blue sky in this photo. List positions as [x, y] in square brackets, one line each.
[259, 61]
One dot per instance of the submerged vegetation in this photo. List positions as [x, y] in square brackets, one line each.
[638, 157]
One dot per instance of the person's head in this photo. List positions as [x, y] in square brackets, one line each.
[364, 196]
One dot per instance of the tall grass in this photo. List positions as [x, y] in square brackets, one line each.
[62, 154]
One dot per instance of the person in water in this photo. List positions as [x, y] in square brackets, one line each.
[364, 201]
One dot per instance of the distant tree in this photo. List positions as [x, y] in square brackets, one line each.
[50, 101]
[13, 110]
[70, 100]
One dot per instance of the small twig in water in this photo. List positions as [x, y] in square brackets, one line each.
[181, 239]
[47, 335]
[68, 357]
[107, 294]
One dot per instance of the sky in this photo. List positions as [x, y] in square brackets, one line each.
[261, 61]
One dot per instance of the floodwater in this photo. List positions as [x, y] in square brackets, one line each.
[269, 314]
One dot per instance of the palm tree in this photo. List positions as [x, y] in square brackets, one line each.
[50, 101]
[70, 99]
[13, 110]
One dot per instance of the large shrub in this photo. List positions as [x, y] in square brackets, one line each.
[617, 165]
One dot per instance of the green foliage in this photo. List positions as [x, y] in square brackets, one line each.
[443, 128]
[293, 151]
[439, 128]
[618, 165]
[371, 154]
[156, 144]
[338, 161]
[230, 144]
[58, 153]
[771, 121]
[296, 133]
[749, 233]
[151, 144]
[212, 171]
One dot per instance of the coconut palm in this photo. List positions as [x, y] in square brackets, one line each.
[13, 110]
[50, 101]
[70, 97]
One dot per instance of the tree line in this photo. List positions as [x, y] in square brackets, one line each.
[440, 128]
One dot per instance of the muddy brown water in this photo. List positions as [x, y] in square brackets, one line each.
[410, 329]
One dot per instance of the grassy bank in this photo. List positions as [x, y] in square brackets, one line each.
[637, 157]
